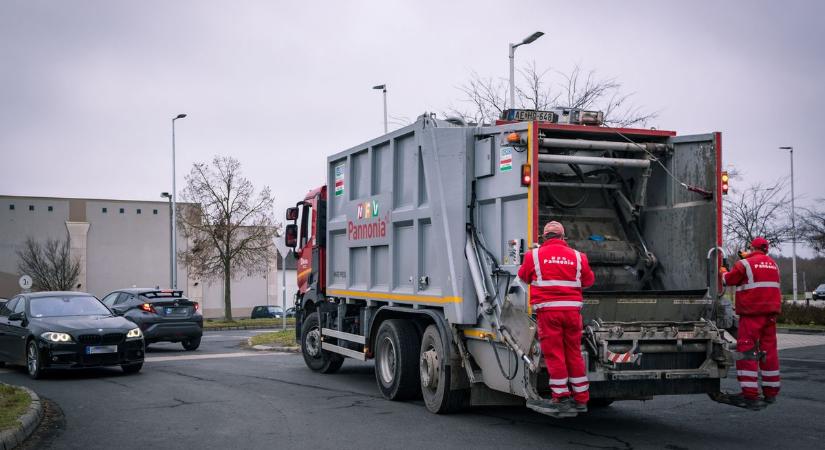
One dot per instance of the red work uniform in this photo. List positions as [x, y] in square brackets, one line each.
[557, 274]
[758, 302]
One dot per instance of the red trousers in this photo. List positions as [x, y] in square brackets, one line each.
[762, 330]
[560, 334]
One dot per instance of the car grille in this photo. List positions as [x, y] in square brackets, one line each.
[100, 339]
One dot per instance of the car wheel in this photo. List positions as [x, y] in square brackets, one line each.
[397, 347]
[33, 361]
[131, 368]
[191, 344]
[315, 357]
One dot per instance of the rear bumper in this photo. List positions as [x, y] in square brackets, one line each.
[172, 331]
[73, 356]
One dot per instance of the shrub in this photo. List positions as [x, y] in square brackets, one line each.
[801, 315]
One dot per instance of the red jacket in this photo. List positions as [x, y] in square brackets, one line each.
[757, 285]
[562, 275]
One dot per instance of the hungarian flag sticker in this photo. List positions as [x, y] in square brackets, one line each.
[506, 159]
[339, 180]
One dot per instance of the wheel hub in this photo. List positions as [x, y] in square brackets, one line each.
[430, 368]
[386, 360]
[313, 342]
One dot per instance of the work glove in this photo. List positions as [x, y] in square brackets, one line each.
[723, 269]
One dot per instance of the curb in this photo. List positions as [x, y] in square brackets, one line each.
[271, 348]
[810, 331]
[29, 421]
[252, 327]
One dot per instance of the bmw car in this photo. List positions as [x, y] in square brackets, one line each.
[162, 314]
[66, 330]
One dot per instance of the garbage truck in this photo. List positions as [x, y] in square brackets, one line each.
[408, 256]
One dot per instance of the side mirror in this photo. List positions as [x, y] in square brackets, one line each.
[16, 317]
[292, 213]
[291, 235]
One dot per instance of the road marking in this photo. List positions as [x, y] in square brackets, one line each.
[211, 356]
[5, 370]
[803, 360]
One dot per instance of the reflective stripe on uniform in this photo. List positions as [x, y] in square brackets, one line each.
[760, 284]
[771, 383]
[578, 379]
[748, 270]
[747, 384]
[558, 381]
[559, 304]
[580, 388]
[558, 283]
[747, 373]
[770, 373]
[560, 390]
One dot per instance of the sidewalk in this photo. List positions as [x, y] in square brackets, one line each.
[787, 340]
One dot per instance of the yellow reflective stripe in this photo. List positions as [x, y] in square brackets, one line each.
[530, 206]
[396, 297]
[304, 271]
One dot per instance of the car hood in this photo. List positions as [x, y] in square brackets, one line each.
[83, 323]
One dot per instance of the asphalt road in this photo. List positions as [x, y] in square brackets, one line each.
[223, 397]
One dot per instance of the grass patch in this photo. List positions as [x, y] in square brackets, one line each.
[13, 403]
[218, 323]
[284, 338]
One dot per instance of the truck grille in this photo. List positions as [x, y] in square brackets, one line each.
[666, 361]
[100, 339]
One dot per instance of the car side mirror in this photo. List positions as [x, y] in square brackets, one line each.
[16, 317]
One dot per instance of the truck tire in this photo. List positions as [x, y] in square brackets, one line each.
[435, 376]
[396, 360]
[315, 358]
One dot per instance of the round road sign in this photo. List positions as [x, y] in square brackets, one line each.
[25, 282]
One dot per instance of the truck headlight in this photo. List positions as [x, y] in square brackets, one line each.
[134, 333]
[60, 338]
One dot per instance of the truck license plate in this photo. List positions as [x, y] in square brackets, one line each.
[101, 349]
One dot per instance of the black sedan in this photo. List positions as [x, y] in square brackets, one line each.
[267, 312]
[819, 292]
[66, 330]
[162, 314]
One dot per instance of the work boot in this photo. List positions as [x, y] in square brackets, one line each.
[552, 406]
[769, 400]
[579, 407]
[740, 401]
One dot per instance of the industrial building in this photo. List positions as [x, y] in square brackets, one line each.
[125, 243]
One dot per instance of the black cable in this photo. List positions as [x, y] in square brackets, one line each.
[498, 360]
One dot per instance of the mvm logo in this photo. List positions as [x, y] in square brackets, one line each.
[368, 209]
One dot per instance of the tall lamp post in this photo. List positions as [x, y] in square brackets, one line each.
[171, 246]
[174, 209]
[383, 88]
[793, 225]
[527, 40]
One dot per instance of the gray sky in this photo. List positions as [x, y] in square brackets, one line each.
[88, 88]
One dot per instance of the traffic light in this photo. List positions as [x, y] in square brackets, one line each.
[725, 179]
[526, 175]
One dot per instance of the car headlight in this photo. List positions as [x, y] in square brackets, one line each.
[60, 338]
[134, 333]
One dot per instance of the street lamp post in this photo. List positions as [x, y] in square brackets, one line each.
[171, 246]
[174, 209]
[383, 88]
[526, 40]
[793, 225]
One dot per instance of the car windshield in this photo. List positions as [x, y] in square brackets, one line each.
[275, 309]
[67, 306]
[821, 287]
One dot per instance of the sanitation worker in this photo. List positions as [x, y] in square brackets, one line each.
[557, 274]
[758, 302]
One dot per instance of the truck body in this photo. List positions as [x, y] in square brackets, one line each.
[409, 256]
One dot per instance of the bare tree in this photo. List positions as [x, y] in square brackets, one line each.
[759, 210]
[231, 227]
[812, 228]
[545, 89]
[50, 265]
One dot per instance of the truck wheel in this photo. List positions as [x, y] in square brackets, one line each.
[435, 376]
[315, 358]
[396, 360]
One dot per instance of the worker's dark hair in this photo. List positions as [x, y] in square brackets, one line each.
[553, 236]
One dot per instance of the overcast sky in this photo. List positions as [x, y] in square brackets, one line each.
[88, 88]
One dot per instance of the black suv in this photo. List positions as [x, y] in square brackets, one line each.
[162, 314]
[267, 312]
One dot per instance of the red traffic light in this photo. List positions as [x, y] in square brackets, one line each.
[725, 179]
[526, 175]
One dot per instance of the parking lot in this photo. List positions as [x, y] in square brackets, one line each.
[223, 396]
